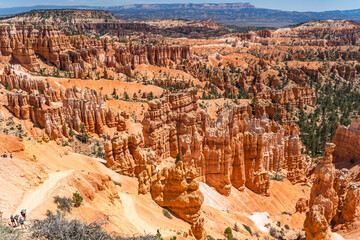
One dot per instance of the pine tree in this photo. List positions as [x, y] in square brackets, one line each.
[178, 158]
[126, 96]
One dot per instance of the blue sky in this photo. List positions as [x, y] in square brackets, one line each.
[296, 5]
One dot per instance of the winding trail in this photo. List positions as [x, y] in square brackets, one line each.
[131, 214]
[33, 199]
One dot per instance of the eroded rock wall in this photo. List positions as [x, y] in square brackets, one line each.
[77, 54]
[174, 188]
[239, 148]
[58, 118]
[347, 140]
[334, 201]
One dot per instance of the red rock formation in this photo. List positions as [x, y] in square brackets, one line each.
[237, 149]
[347, 140]
[264, 33]
[302, 205]
[323, 199]
[197, 229]
[58, 119]
[333, 201]
[345, 71]
[294, 96]
[126, 154]
[73, 53]
[176, 189]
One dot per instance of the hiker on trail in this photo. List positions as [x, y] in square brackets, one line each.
[12, 220]
[5, 155]
[22, 222]
[23, 214]
[11, 155]
[16, 219]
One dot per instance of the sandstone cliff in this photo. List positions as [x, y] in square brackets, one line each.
[60, 111]
[334, 202]
[77, 54]
[176, 189]
[347, 140]
[126, 154]
[239, 148]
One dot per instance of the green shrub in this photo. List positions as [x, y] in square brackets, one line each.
[228, 233]
[247, 228]
[287, 227]
[167, 214]
[7, 86]
[77, 199]
[236, 227]
[83, 137]
[63, 203]
[208, 237]
[278, 177]
[275, 233]
[178, 158]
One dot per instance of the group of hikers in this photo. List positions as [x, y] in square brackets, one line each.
[5, 155]
[19, 220]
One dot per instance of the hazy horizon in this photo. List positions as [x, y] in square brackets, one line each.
[303, 5]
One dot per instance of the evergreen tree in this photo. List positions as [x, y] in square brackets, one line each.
[178, 158]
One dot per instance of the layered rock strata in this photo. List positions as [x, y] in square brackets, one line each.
[290, 97]
[239, 148]
[125, 153]
[334, 201]
[71, 114]
[174, 188]
[78, 54]
[347, 140]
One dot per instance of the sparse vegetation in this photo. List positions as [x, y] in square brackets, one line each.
[77, 199]
[208, 237]
[55, 226]
[228, 233]
[278, 177]
[63, 203]
[167, 214]
[126, 96]
[236, 227]
[9, 233]
[276, 233]
[178, 158]
[7, 86]
[335, 102]
[247, 228]
[83, 137]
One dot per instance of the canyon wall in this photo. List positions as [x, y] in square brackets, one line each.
[239, 148]
[334, 201]
[347, 140]
[59, 112]
[78, 54]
